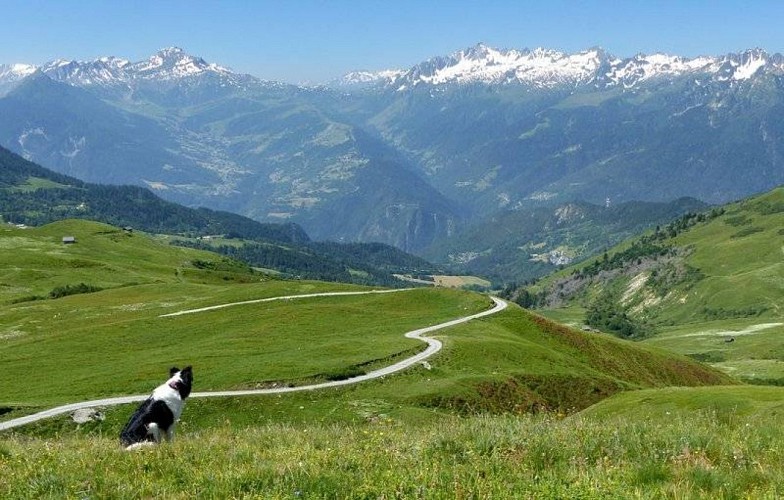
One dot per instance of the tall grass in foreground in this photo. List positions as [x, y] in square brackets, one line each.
[701, 455]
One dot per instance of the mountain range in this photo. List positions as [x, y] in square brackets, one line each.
[416, 157]
[545, 68]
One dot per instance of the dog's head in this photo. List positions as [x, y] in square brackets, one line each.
[181, 380]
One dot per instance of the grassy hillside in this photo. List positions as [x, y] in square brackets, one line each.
[426, 431]
[484, 417]
[95, 342]
[518, 362]
[35, 261]
[710, 286]
[726, 403]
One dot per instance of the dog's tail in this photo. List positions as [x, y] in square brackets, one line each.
[135, 431]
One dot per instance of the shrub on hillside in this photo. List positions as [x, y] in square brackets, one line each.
[62, 291]
[608, 314]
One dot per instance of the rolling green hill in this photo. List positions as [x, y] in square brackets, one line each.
[709, 285]
[35, 261]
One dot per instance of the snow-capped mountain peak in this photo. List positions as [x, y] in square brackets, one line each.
[483, 64]
[748, 63]
[102, 71]
[171, 52]
[640, 68]
[12, 74]
[16, 71]
[479, 51]
[174, 63]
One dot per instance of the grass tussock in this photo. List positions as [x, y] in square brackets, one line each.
[689, 456]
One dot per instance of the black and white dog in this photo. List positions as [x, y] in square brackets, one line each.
[158, 414]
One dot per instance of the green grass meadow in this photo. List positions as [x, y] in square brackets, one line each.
[514, 406]
[700, 455]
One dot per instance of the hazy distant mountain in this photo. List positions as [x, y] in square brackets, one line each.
[169, 69]
[503, 129]
[78, 134]
[366, 79]
[33, 195]
[409, 157]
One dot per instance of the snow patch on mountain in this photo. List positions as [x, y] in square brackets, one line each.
[74, 147]
[29, 138]
[641, 68]
[749, 65]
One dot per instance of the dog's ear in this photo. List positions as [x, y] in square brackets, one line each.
[173, 370]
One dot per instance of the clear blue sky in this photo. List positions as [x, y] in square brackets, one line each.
[313, 41]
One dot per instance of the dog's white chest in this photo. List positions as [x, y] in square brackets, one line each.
[172, 399]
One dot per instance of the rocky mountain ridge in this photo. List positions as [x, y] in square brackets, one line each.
[543, 68]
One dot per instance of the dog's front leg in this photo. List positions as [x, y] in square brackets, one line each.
[170, 432]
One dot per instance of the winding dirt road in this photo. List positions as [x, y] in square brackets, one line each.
[433, 346]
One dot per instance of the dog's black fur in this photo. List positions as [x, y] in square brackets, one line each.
[160, 412]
